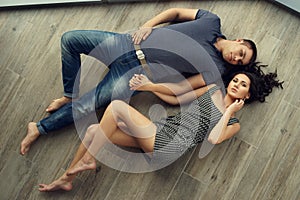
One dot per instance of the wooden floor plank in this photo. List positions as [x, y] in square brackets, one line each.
[260, 162]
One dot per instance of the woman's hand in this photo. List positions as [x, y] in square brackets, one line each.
[139, 82]
[141, 34]
[236, 106]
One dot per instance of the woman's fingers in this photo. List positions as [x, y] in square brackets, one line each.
[137, 81]
[236, 105]
[240, 104]
[134, 82]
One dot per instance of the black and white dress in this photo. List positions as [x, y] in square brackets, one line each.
[176, 134]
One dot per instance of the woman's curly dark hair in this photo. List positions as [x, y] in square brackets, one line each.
[261, 83]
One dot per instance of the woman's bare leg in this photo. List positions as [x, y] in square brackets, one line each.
[142, 130]
[62, 183]
[84, 160]
[65, 182]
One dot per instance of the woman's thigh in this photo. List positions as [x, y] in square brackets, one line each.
[137, 126]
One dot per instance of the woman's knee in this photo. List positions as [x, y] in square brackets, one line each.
[91, 131]
[116, 109]
[116, 105]
[119, 107]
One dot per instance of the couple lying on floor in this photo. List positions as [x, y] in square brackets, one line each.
[209, 115]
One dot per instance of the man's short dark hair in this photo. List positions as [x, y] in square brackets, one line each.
[251, 45]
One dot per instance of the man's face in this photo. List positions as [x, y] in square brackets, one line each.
[237, 53]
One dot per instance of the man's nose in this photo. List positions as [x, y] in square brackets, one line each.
[237, 58]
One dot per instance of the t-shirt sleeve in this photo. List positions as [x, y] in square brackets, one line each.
[200, 13]
[205, 13]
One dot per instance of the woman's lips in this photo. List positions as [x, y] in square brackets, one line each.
[234, 90]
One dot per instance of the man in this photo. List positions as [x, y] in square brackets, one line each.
[201, 26]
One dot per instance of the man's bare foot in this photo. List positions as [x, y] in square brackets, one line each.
[82, 165]
[32, 134]
[63, 183]
[57, 103]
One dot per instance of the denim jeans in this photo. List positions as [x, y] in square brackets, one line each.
[121, 60]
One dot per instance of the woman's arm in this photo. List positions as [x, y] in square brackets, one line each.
[170, 15]
[184, 98]
[222, 131]
[142, 83]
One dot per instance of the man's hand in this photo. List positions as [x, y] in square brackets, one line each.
[141, 34]
[139, 82]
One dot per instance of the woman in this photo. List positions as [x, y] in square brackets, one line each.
[151, 137]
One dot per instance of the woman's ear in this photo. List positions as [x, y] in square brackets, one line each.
[247, 96]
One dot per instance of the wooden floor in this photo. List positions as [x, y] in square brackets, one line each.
[261, 162]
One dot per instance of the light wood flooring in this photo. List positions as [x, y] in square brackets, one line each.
[261, 162]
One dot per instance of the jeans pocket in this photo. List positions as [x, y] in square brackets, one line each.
[128, 59]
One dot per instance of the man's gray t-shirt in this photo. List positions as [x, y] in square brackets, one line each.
[181, 46]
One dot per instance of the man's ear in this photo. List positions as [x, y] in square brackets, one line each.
[239, 40]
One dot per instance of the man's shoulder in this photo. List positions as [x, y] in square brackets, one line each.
[206, 14]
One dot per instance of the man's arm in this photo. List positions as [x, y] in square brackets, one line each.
[170, 15]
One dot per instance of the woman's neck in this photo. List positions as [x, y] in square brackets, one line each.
[228, 100]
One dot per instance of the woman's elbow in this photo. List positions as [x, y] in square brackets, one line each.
[229, 134]
[214, 140]
[173, 101]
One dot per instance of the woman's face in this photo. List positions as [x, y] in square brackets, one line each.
[239, 87]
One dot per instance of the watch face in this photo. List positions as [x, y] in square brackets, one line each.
[140, 54]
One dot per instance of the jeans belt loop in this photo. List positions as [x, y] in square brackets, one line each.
[141, 56]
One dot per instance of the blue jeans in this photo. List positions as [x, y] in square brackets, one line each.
[121, 60]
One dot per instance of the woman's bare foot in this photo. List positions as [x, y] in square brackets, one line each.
[63, 183]
[57, 103]
[32, 134]
[82, 165]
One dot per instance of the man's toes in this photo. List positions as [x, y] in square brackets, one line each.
[24, 147]
[52, 106]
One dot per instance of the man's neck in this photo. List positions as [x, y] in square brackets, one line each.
[220, 43]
